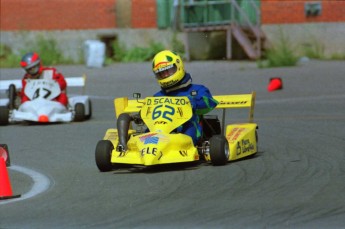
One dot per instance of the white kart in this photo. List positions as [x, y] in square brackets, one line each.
[42, 107]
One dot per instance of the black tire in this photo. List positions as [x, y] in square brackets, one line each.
[219, 150]
[103, 155]
[257, 141]
[79, 112]
[12, 94]
[90, 109]
[4, 116]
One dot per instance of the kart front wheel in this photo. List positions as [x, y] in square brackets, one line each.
[4, 116]
[219, 150]
[103, 155]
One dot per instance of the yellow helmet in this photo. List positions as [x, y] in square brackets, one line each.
[168, 68]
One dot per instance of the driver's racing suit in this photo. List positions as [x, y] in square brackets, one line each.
[201, 100]
[48, 73]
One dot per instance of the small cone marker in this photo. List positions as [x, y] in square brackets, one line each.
[4, 154]
[275, 84]
[5, 185]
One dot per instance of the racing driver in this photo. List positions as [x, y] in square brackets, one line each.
[175, 81]
[32, 65]
[170, 74]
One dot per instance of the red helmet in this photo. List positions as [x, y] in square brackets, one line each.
[31, 62]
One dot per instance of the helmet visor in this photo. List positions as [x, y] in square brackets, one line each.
[165, 72]
[33, 70]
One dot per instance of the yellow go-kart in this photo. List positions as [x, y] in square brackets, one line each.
[154, 141]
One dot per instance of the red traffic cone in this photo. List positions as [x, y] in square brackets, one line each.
[5, 185]
[275, 84]
[5, 154]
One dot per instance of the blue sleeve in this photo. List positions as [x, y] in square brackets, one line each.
[203, 102]
[159, 93]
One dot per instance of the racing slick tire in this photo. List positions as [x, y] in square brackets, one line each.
[257, 141]
[4, 116]
[103, 155]
[79, 114]
[90, 110]
[219, 150]
[12, 91]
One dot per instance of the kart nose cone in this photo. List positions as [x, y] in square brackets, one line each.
[43, 118]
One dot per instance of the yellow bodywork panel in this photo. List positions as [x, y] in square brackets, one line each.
[164, 114]
[237, 101]
[125, 105]
[157, 148]
[241, 139]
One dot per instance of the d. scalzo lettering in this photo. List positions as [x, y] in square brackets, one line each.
[175, 101]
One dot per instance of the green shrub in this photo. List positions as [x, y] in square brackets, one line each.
[280, 54]
[49, 52]
[135, 54]
[46, 48]
[338, 56]
[7, 58]
[314, 50]
[177, 45]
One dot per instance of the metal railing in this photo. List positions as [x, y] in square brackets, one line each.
[254, 28]
[204, 13]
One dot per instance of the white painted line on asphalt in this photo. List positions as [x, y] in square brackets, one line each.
[300, 99]
[102, 97]
[97, 97]
[41, 184]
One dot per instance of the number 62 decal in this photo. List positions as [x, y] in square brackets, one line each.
[166, 113]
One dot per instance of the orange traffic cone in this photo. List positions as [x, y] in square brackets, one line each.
[5, 185]
[5, 154]
[275, 84]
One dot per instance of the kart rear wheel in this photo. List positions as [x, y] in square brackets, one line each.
[219, 150]
[4, 116]
[103, 155]
[79, 114]
[257, 141]
[90, 110]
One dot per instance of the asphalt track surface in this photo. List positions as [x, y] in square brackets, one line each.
[297, 180]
